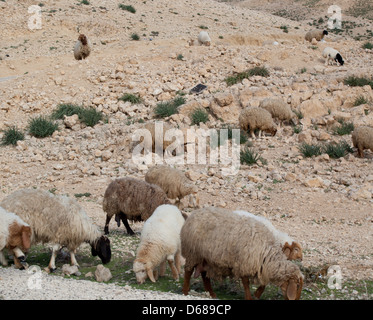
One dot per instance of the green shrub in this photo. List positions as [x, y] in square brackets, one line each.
[310, 150]
[337, 150]
[344, 128]
[41, 127]
[353, 81]
[11, 136]
[367, 45]
[180, 57]
[135, 37]
[259, 71]
[256, 71]
[131, 98]
[90, 116]
[199, 115]
[168, 108]
[243, 136]
[127, 8]
[249, 156]
[65, 109]
[360, 100]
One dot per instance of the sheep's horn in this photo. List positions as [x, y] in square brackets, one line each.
[150, 273]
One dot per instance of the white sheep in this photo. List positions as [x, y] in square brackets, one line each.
[278, 109]
[253, 118]
[58, 220]
[204, 39]
[173, 182]
[15, 236]
[82, 48]
[362, 138]
[331, 55]
[318, 35]
[159, 242]
[227, 244]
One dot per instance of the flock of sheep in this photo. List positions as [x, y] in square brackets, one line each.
[216, 243]
[252, 249]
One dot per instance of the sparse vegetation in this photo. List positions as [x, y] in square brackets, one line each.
[41, 127]
[199, 115]
[354, 81]
[129, 97]
[11, 136]
[337, 150]
[127, 8]
[367, 45]
[168, 108]
[89, 116]
[310, 150]
[135, 37]
[343, 128]
[238, 77]
[250, 157]
[360, 100]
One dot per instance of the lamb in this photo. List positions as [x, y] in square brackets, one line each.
[173, 182]
[362, 138]
[227, 244]
[131, 199]
[159, 241]
[252, 118]
[331, 55]
[204, 39]
[15, 235]
[82, 48]
[315, 34]
[278, 109]
[59, 220]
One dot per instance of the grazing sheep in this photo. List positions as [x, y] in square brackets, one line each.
[173, 182]
[252, 118]
[278, 109]
[131, 199]
[15, 235]
[291, 248]
[204, 39]
[159, 242]
[59, 220]
[315, 34]
[227, 244]
[362, 138]
[331, 55]
[82, 48]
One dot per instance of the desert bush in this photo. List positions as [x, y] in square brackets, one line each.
[168, 108]
[127, 8]
[310, 150]
[337, 150]
[11, 136]
[250, 157]
[134, 99]
[199, 115]
[41, 127]
[344, 128]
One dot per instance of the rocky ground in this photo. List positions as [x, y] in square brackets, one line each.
[324, 203]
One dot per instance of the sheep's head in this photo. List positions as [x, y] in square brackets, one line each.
[293, 251]
[325, 32]
[19, 236]
[83, 39]
[338, 58]
[292, 288]
[142, 271]
[207, 43]
[101, 247]
[272, 130]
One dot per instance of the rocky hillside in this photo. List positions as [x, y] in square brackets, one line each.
[324, 202]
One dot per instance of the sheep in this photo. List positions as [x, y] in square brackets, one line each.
[159, 241]
[15, 235]
[227, 244]
[291, 248]
[278, 109]
[204, 39]
[315, 34]
[82, 48]
[59, 220]
[173, 182]
[362, 138]
[331, 55]
[131, 199]
[252, 118]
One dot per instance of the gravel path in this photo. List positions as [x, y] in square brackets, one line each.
[28, 285]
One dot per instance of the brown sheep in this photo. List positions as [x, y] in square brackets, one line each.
[362, 138]
[82, 48]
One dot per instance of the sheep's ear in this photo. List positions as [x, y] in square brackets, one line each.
[150, 274]
[291, 291]
[26, 237]
[286, 249]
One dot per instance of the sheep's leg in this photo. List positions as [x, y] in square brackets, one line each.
[52, 262]
[123, 217]
[258, 293]
[186, 285]
[73, 259]
[106, 229]
[207, 284]
[246, 285]
[19, 259]
[162, 268]
[360, 152]
[178, 261]
[252, 134]
[3, 260]
[171, 263]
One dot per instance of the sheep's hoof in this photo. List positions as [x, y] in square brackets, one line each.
[50, 270]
